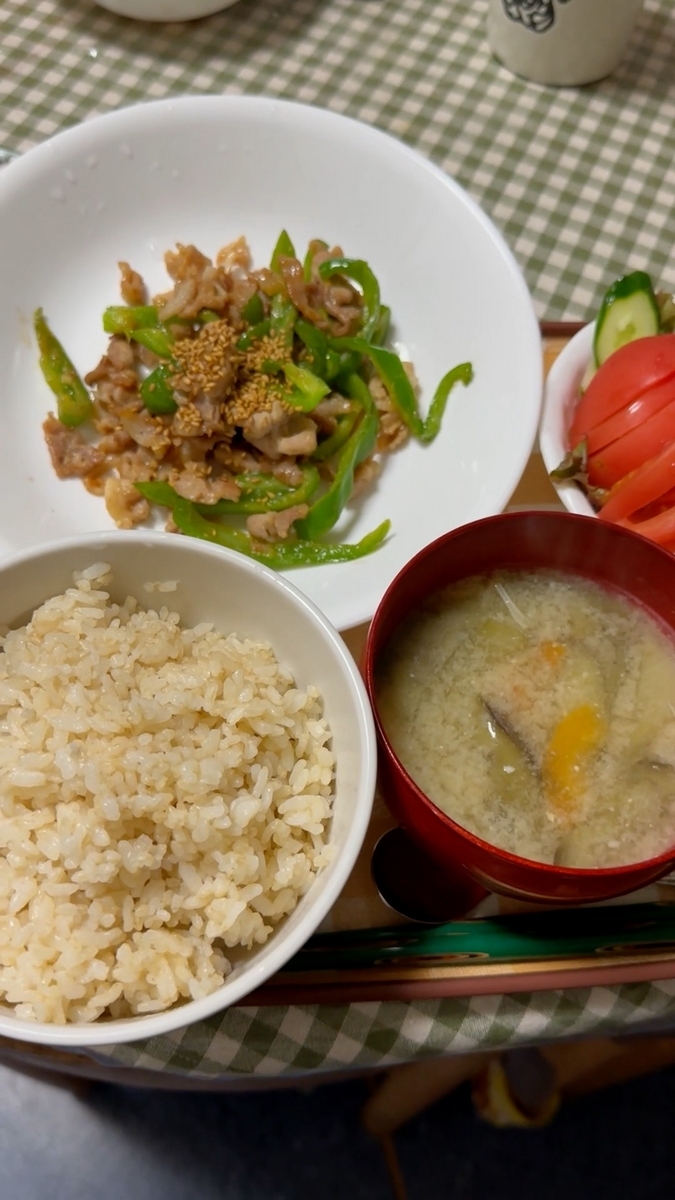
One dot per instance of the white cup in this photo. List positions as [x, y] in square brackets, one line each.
[165, 10]
[561, 42]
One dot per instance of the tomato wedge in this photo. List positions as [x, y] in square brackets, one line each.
[629, 452]
[630, 417]
[624, 376]
[649, 482]
[660, 529]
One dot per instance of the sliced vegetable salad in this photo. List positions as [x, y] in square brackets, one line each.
[621, 436]
[253, 405]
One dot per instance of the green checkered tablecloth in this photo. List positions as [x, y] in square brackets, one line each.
[582, 184]
[581, 181]
[318, 1039]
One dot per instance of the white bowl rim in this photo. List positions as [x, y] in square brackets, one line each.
[560, 394]
[136, 1028]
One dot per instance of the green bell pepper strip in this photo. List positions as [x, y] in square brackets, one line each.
[122, 318]
[391, 371]
[270, 366]
[460, 374]
[254, 334]
[206, 316]
[279, 556]
[357, 270]
[283, 249]
[316, 244]
[340, 366]
[73, 402]
[333, 361]
[253, 312]
[330, 445]
[156, 391]
[379, 334]
[283, 315]
[142, 325]
[276, 500]
[270, 495]
[316, 343]
[326, 510]
[256, 485]
[159, 340]
[307, 389]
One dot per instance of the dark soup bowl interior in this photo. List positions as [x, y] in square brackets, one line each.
[525, 541]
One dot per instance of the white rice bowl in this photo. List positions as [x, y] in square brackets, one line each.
[186, 774]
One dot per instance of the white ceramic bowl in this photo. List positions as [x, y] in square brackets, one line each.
[240, 596]
[560, 397]
[131, 184]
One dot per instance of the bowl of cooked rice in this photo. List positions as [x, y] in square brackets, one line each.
[187, 764]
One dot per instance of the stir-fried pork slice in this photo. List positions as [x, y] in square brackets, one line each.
[194, 484]
[146, 430]
[115, 442]
[190, 450]
[199, 421]
[296, 435]
[235, 257]
[145, 357]
[206, 365]
[124, 503]
[275, 526]
[331, 304]
[287, 471]
[71, 456]
[132, 287]
[365, 474]
[121, 354]
[114, 379]
[239, 460]
[137, 465]
[198, 284]
[117, 365]
[333, 307]
[326, 413]
[393, 431]
[260, 424]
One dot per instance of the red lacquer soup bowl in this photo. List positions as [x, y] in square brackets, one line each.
[524, 541]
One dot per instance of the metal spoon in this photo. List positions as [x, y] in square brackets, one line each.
[418, 888]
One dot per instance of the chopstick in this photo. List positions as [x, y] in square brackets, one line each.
[518, 937]
[561, 328]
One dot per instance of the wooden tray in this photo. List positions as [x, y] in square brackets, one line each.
[636, 942]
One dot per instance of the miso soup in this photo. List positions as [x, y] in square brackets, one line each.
[538, 711]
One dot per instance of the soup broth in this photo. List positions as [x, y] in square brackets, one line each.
[538, 711]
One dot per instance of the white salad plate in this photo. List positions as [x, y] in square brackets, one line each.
[131, 184]
[561, 394]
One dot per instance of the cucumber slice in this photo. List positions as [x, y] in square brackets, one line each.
[628, 311]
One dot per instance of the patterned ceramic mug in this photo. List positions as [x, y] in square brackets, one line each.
[165, 10]
[561, 42]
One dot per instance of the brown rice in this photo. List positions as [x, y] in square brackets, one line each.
[165, 797]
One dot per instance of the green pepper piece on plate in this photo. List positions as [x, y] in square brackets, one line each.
[357, 270]
[279, 556]
[326, 510]
[156, 391]
[73, 402]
